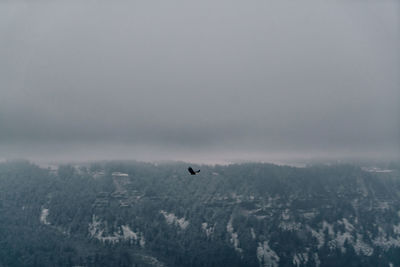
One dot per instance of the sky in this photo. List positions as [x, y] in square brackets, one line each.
[202, 81]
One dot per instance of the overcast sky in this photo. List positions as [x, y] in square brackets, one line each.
[206, 81]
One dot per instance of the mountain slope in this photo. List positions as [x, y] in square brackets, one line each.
[140, 214]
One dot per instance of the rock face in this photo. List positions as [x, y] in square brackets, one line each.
[237, 215]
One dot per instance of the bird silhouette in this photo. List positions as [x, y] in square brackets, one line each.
[192, 172]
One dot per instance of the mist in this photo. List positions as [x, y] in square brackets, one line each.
[203, 82]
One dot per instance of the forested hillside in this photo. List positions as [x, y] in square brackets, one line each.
[142, 214]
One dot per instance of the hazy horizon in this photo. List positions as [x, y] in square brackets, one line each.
[206, 82]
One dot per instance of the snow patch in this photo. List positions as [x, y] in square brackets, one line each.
[362, 248]
[385, 242]
[300, 258]
[339, 241]
[234, 236]
[266, 256]
[253, 234]
[97, 229]
[127, 233]
[285, 214]
[171, 218]
[319, 236]
[347, 225]
[120, 174]
[290, 226]
[317, 260]
[383, 205]
[208, 230]
[396, 229]
[43, 216]
[375, 169]
[309, 215]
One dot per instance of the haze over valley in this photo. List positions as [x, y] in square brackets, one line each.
[199, 133]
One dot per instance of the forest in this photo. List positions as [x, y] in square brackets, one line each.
[127, 213]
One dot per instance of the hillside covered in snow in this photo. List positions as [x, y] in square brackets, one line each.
[142, 214]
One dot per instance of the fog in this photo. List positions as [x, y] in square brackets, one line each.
[206, 81]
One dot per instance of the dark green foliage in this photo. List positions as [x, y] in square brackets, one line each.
[263, 202]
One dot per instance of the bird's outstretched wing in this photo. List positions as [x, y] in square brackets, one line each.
[192, 172]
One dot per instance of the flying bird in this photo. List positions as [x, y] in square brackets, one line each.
[192, 172]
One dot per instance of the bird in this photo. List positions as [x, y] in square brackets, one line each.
[192, 172]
